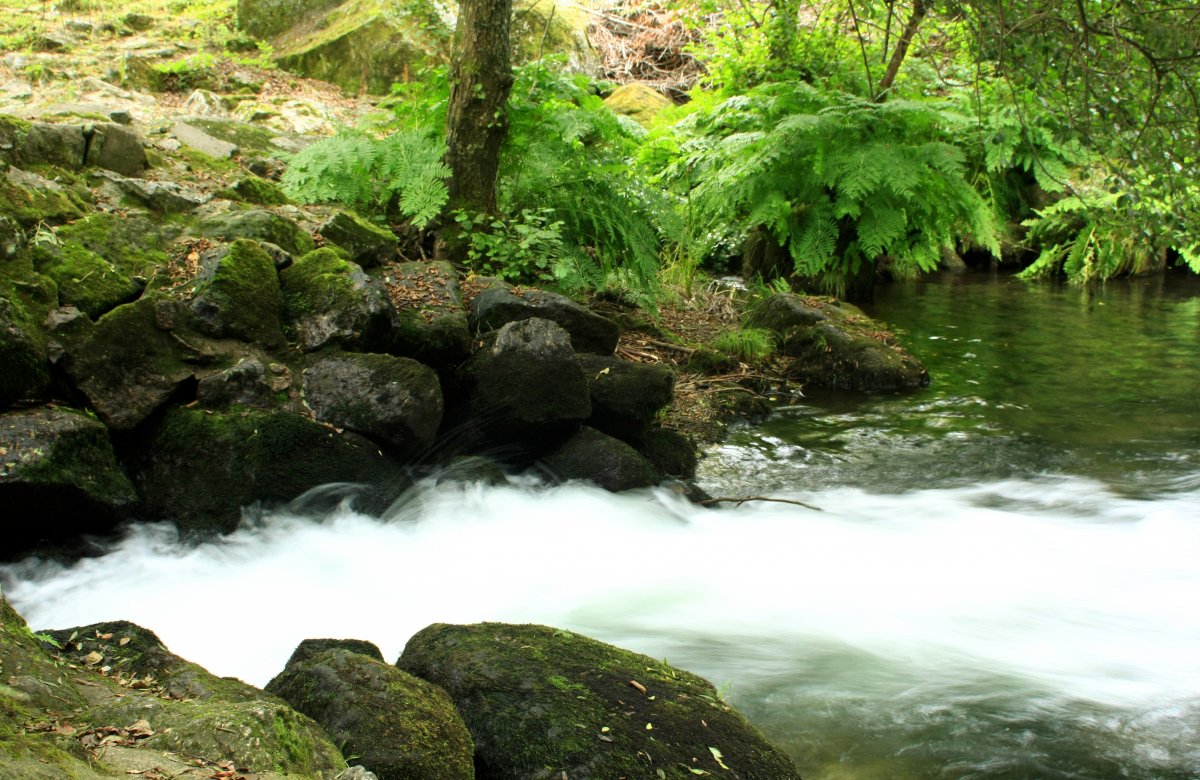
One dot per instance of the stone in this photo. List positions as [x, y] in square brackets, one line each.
[204, 102]
[430, 324]
[59, 477]
[330, 301]
[246, 383]
[395, 724]
[237, 295]
[357, 773]
[199, 468]
[597, 457]
[267, 18]
[670, 451]
[836, 345]
[164, 197]
[638, 102]
[32, 199]
[367, 244]
[22, 354]
[115, 148]
[526, 385]
[309, 648]
[196, 138]
[500, 304]
[394, 400]
[626, 396]
[542, 702]
[545, 28]
[261, 225]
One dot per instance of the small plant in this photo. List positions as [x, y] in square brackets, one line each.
[527, 247]
[746, 344]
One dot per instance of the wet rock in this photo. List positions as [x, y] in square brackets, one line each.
[395, 724]
[58, 477]
[329, 300]
[310, 648]
[366, 244]
[542, 703]
[200, 467]
[237, 295]
[597, 457]
[500, 304]
[246, 383]
[836, 345]
[626, 396]
[430, 324]
[670, 451]
[526, 384]
[394, 400]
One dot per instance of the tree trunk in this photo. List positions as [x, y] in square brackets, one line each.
[910, 31]
[480, 80]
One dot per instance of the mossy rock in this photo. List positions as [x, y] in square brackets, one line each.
[26, 144]
[26, 372]
[128, 365]
[366, 45]
[366, 244]
[431, 324]
[261, 225]
[250, 139]
[310, 648]
[602, 459]
[638, 102]
[31, 199]
[57, 465]
[253, 189]
[543, 703]
[200, 467]
[396, 725]
[267, 18]
[240, 297]
[626, 396]
[671, 452]
[329, 300]
[834, 344]
[500, 304]
[543, 28]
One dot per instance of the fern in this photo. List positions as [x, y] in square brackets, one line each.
[402, 173]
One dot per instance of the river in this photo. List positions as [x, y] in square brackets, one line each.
[997, 577]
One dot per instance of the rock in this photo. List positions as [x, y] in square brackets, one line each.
[22, 354]
[430, 324]
[115, 148]
[47, 144]
[398, 726]
[59, 477]
[394, 400]
[246, 383]
[670, 451]
[126, 365]
[200, 467]
[329, 300]
[164, 197]
[31, 199]
[499, 304]
[202, 142]
[526, 385]
[365, 45]
[545, 703]
[310, 648]
[357, 773]
[204, 102]
[544, 28]
[267, 18]
[597, 457]
[836, 345]
[638, 102]
[184, 709]
[626, 396]
[366, 244]
[237, 295]
[253, 189]
[261, 225]
[113, 113]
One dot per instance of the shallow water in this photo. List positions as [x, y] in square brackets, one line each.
[995, 578]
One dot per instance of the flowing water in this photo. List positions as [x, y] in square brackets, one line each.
[998, 577]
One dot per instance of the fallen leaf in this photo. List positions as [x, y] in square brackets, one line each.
[124, 641]
[93, 658]
[638, 685]
[716, 754]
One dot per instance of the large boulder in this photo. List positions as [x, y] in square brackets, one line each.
[835, 344]
[501, 304]
[59, 477]
[237, 295]
[394, 400]
[626, 396]
[366, 45]
[330, 301]
[639, 102]
[430, 324]
[367, 244]
[597, 457]
[115, 148]
[261, 225]
[396, 725]
[546, 703]
[200, 467]
[33, 200]
[525, 385]
[22, 354]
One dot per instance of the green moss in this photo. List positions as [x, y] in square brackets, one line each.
[199, 161]
[253, 189]
[261, 225]
[83, 459]
[250, 139]
[31, 206]
[320, 281]
[242, 298]
[85, 279]
[637, 101]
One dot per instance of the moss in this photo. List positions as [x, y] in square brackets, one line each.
[322, 280]
[253, 189]
[261, 225]
[86, 280]
[637, 101]
[25, 371]
[80, 458]
[12, 133]
[250, 139]
[242, 298]
[31, 206]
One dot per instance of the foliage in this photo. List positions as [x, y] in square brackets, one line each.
[523, 248]
[746, 344]
[838, 181]
[402, 174]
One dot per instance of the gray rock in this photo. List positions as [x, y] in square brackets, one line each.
[165, 197]
[527, 385]
[329, 300]
[119, 115]
[499, 305]
[357, 773]
[197, 139]
[394, 400]
[626, 396]
[57, 465]
[243, 384]
[597, 457]
[61, 145]
[205, 102]
[267, 18]
[115, 148]
[430, 323]
[261, 225]
[366, 244]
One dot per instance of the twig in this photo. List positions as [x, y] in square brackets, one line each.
[739, 501]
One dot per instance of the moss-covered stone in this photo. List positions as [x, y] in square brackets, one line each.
[240, 297]
[26, 372]
[366, 45]
[597, 457]
[329, 300]
[544, 28]
[86, 280]
[310, 648]
[396, 725]
[430, 324]
[59, 477]
[261, 225]
[542, 702]
[31, 199]
[200, 467]
[365, 243]
[253, 189]
[267, 18]
[626, 396]
[638, 102]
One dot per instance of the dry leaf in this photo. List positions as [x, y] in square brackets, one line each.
[93, 658]
[124, 641]
[638, 685]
